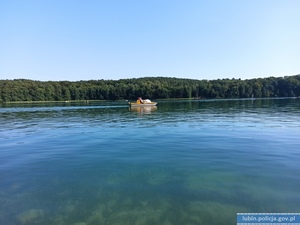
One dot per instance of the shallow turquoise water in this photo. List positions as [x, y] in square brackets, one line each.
[184, 162]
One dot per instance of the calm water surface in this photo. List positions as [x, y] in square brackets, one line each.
[184, 162]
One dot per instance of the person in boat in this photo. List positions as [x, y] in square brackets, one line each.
[140, 100]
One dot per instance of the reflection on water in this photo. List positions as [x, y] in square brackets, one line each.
[185, 162]
[143, 109]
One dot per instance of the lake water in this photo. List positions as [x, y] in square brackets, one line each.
[183, 162]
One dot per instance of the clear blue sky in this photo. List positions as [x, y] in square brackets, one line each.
[114, 39]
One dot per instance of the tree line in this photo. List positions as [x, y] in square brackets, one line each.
[148, 87]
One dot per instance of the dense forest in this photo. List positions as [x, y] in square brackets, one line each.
[149, 87]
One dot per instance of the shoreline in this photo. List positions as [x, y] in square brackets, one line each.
[160, 99]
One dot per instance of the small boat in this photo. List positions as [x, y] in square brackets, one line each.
[140, 102]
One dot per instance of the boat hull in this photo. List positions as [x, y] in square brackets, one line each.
[134, 104]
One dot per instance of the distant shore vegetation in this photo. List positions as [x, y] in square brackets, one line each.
[148, 87]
